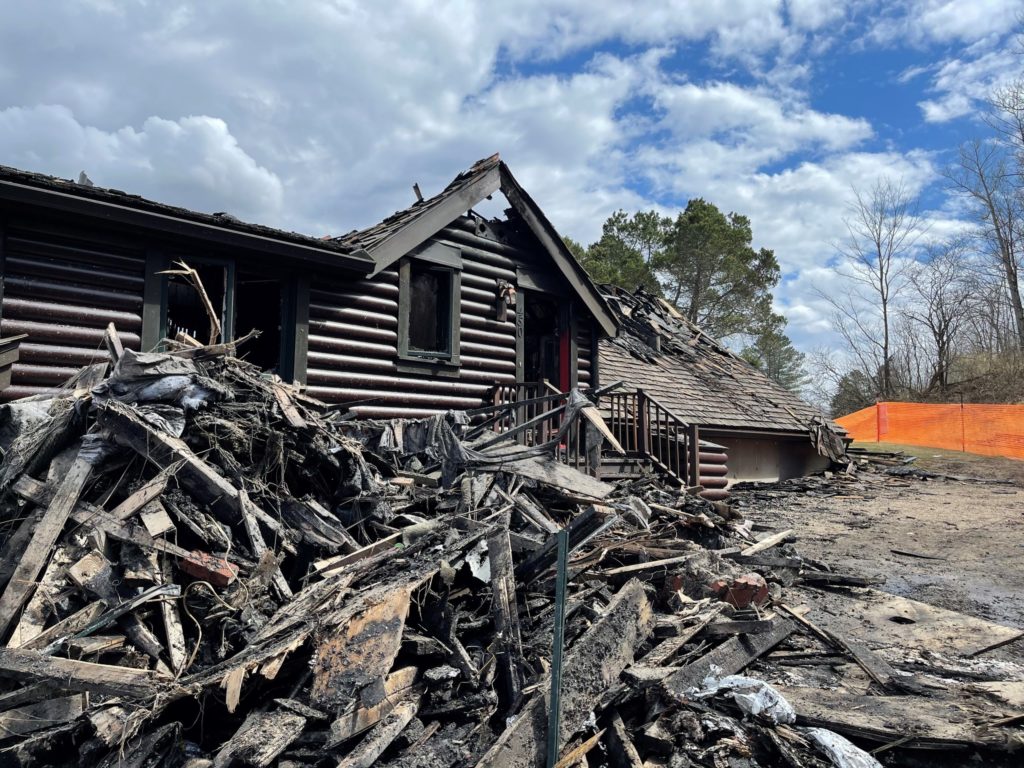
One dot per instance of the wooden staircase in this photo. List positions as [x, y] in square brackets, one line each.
[616, 467]
[653, 437]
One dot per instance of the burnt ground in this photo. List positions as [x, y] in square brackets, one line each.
[975, 529]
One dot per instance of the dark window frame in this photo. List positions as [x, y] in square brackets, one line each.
[447, 262]
[227, 318]
[294, 316]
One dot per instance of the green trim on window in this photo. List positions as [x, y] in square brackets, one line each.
[426, 360]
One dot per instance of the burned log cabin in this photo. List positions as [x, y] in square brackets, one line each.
[435, 308]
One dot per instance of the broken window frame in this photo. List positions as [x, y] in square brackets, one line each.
[227, 316]
[446, 261]
[294, 319]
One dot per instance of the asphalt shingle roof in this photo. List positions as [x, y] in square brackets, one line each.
[693, 375]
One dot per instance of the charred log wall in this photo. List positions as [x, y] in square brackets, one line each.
[63, 291]
[63, 286]
[353, 337]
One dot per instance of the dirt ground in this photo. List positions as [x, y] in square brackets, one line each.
[971, 532]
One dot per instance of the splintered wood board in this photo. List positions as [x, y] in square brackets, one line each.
[363, 651]
[1009, 692]
[882, 620]
[547, 470]
[933, 722]
[591, 666]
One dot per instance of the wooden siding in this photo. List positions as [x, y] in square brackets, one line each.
[353, 342]
[63, 291]
[584, 351]
[353, 337]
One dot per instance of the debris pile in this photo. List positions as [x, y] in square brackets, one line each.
[204, 567]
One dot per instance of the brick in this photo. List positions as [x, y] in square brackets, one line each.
[206, 567]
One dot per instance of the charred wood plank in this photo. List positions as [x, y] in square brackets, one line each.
[259, 546]
[357, 718]
[592, 665]
[260, 739]
[620, 746]
[363, 651]
[730, 657]
[506, 614]
[768, 542]
[37, 553]
[365, 755]
[79, 675]
[43, 714]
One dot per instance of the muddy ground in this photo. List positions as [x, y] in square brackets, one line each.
[973, 530]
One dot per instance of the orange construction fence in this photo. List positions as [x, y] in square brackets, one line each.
[992, 430]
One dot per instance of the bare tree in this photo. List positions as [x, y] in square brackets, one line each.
[943, 303]
[883, 227]
[1006, 117]
[985, 176]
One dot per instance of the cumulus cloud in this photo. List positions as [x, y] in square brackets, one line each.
[944, 21]
[318, 116]
[193, 162]
[960, 84]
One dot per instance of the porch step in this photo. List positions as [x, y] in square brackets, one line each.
[614, 466]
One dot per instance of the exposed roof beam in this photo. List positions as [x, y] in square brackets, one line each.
[449, 208]
[564, 260]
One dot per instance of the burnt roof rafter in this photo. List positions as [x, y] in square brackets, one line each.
[400, 233]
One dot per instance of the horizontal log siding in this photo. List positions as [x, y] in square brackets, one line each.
[353, 340]
[584, 353]
[63, 290]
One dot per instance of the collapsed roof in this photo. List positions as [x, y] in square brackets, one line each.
[693, 375]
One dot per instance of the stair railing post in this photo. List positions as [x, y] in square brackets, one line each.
[643, 416]
[693, 454]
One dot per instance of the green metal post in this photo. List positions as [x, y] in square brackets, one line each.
[554, 709]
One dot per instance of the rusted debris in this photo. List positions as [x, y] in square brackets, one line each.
[182, 531]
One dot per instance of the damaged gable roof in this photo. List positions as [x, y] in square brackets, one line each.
[401, 232]
[693, 375]
[113, 205]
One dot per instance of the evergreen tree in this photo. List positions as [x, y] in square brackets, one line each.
[772, 352]
[711, 272]
[856, 390]
[623, 254]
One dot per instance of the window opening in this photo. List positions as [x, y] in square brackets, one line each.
[185, 310]
[429, 321]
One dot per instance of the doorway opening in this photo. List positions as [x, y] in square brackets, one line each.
[541, 340]
[259, 304]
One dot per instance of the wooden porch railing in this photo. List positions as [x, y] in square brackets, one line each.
[644, 426]
[535, 412]
[533, 401]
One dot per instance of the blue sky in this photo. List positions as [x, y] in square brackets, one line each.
[319, 116]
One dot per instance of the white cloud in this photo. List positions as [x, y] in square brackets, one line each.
[945, 21]
[753, 116]
[193, 162]
[815, 14]
[961, 84]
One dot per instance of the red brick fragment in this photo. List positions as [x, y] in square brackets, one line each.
[741, 592]
[204, 566]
